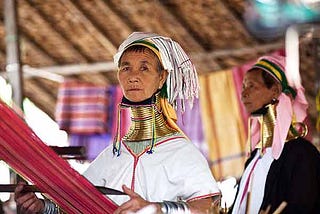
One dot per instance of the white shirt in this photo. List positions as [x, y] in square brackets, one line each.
[175, 170]
[253, 180]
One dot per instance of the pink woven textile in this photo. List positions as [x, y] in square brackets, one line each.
[82, 108]
[35, 161]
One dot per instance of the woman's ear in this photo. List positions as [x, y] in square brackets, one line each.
[276, 90]
[163, 78]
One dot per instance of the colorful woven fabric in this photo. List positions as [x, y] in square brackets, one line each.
[82, 108]
[96, 142]
[125, 116]
[190, 123]
[238, 74]
[223, 124]
[36, 162]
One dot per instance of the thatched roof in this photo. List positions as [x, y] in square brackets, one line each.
[57, 36]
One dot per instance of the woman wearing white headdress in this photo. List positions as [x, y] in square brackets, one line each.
[155, 163]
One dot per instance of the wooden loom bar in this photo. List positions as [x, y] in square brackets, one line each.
[24, 151]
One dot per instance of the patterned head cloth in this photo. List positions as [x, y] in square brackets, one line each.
[182, 82]
[288, 109]
[276, 67]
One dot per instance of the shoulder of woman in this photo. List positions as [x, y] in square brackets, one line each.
[301, 147]
[301, 143]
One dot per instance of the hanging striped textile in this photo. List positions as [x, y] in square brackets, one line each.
[191, 124]
[36, 162]
[223, 125]
[82, 108]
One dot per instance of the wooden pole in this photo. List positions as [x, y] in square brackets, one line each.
[13, 65]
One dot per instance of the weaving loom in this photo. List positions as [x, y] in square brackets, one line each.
[24, 151]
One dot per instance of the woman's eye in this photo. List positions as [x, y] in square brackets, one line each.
[143, 68]
[250, 85]
[124, 69]
[247, 86]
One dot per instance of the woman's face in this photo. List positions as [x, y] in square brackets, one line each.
[139, 76]
[255, 93]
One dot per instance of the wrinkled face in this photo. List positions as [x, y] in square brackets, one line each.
[255, 93]
[139, 76]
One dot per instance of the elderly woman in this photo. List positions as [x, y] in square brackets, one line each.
[283, 170]
[154, 163]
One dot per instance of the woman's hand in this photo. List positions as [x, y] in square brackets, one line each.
[134, 204]
[27, 202]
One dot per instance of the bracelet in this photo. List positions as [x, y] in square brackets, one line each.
[172, 207]
[50, 207]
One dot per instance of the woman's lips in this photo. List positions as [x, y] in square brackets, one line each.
[246, 103]
[134, 89]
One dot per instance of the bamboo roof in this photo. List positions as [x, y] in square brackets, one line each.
[78, 38]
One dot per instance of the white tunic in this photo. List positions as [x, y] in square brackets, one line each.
[253, 180]
[175, 170]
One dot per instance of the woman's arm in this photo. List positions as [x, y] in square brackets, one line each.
[27, 202]
[205, 205]
[136, 203]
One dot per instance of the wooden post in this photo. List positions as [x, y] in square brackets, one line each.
[13, 65]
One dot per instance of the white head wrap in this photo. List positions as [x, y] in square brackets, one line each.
[182, 82]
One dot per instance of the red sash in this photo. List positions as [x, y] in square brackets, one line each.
[24, 151]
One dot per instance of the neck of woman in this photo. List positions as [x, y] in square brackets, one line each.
[148, 122]
[267, 123]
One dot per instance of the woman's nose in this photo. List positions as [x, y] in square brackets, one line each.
[244, 94]
[133, 77]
